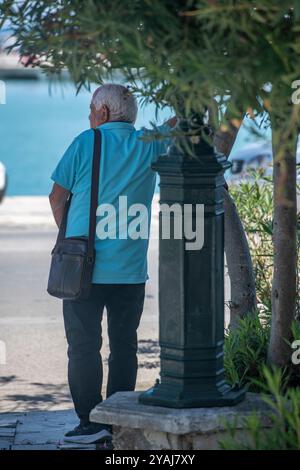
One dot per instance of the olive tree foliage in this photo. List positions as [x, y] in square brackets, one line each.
[245, 54]
[176, 53]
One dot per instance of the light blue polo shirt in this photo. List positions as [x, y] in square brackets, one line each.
[125, 171]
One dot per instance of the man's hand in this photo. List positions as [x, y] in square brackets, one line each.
[172, 122]
[58, 198]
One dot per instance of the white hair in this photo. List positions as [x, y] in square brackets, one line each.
[120, 101]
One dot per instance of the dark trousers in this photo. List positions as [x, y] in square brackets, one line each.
[124, 304]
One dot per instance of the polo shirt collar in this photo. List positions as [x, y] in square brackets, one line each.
[116, 125]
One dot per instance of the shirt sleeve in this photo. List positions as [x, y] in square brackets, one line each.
[65, 172]
[161, 140]
[161, 144]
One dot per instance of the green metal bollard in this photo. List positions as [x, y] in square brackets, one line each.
[191, 286]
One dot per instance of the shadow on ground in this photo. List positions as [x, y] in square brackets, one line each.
[39, 395]
[17, 394]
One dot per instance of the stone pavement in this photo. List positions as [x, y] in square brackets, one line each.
[40, 430]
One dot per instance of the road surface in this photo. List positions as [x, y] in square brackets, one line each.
[31, 324]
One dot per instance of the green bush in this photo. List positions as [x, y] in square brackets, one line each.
[284, 431]
[254, 201]
[245, 352]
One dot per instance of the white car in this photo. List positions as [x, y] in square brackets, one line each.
[3, 181]
[252, 156]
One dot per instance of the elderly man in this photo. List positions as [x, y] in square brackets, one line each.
[120, 270]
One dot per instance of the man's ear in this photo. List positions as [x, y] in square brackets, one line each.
[104, 113]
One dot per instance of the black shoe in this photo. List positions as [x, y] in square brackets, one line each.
[88, 434]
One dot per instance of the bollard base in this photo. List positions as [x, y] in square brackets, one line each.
[145, 427]
[162, 395]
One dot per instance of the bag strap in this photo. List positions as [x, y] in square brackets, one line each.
[63, 224]
[94, 192]
[93, 201]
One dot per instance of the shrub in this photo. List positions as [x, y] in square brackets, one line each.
[245, 352]
[284, 433]
[246, 346]
[254, 201]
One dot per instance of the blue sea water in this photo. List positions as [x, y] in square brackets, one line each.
[38, 123]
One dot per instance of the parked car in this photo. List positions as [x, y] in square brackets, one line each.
[256, 155]
[3, 181]
[253, 156]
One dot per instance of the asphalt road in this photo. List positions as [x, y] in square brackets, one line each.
[31, 326]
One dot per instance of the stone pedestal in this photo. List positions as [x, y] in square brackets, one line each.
[142, 427]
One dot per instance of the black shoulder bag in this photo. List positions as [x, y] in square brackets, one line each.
[73, 258]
